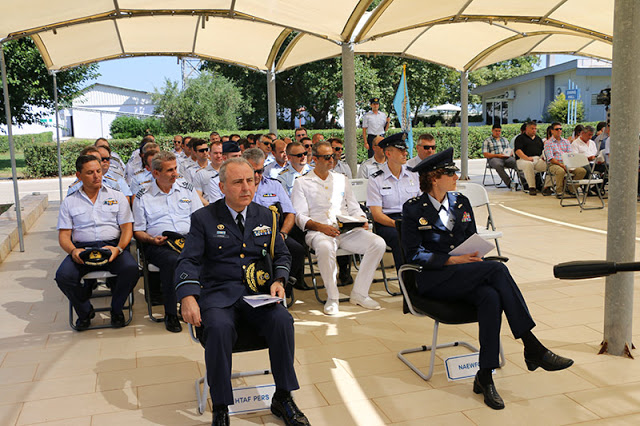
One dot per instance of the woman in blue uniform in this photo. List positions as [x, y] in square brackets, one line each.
[435, 223]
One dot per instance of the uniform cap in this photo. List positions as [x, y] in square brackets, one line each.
[230, 146]
[396, 140]
[174, 240]
[95, 256]
[441, 160]
[374, 101]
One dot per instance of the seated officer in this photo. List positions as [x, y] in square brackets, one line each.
[143, 177]
[388, 190]
[297, 167]
[116, 165]
[166, 205]
[135, 160]
[270, 192]
[318, 197]
[95, 216]
[225, 237]
[112, 180]
[435, 223]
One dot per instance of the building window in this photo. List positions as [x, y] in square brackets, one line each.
[497, 112]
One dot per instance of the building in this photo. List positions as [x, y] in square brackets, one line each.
[527, 96]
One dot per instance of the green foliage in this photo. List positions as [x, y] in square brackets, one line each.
[31, 85]
[208, 102]
[558, 110]
[126, 126]
[20, 141]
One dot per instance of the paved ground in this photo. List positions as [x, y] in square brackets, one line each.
[347, 365]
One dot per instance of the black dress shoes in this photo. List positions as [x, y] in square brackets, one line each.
[287, 410]
[220, 418]
[547, 361]
[172, 323]
[117, 319]
[84, 323]
[491, 396]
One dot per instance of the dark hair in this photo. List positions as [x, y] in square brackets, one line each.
[496, 126]
[549, 131]
[299, 129]
[601, 125]
[292, 145]
[244, 142]
[426, 137]
[101, 139]
[578, 129]
[524, 127]
[105, 147]
[426, 179]
[338, 140]
[88, 149]
[306, 138]
[84, 159]
[197, 142]
[214, 133]
[555, 123]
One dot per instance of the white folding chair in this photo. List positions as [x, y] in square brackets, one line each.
[573, 160]
[359, 188]
[478, 197]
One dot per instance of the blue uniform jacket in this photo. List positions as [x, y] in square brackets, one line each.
[426, 240]
[212, 262]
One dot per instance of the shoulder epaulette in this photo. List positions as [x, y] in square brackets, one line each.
[73, 190]
[112, 185]
[139, 171]
[305, 173]
[413, 200]
[186, 185]
[285, 170]
[141, 193]
[75, 182]
[109, 177]
[377, 173]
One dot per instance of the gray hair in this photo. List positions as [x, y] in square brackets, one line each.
[253, 154]
[317, 145]
[589, 129]
[235, 160]
[160, 158]
[148, 146]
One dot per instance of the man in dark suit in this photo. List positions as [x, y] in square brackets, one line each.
[433, 225]
[224, 239]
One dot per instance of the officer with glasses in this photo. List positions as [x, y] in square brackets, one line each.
[340, 166]
[426, 147]
[110, 180]
[297, 167]
[201, 149]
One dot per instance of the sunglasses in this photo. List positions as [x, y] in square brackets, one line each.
[307, 146]
[325, 157]
[258, 171]
[106, 158]
[449, 173]
[557, 128]
[427, 146]
[180, 142]
[337, 148]
[203, 150]
[302, 154]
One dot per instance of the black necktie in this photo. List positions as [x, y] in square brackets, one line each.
[240, 223]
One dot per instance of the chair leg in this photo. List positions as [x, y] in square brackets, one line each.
[315, 283]
[201, 394]
[147, 293]
[386, 280]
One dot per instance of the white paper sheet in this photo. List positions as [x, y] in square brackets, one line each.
[474, 243]
[258, 300]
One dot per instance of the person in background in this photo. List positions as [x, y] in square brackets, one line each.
[373, 164]
[116, 165]
[425, 148]
[498, 153]
[528, 150]
[374, 123]
[281, 161]
[338, 150]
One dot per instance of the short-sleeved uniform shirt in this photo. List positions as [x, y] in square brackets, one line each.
[386, 191]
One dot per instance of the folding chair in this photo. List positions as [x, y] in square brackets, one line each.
[573, 160]
[513, 174]
[147, 268]
[478, 197]
[101, 291]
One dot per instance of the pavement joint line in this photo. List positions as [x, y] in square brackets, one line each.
[557, 222]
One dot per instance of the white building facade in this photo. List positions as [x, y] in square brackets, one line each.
[527, 96]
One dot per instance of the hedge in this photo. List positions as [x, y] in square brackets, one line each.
[20, 141]
[40, 158]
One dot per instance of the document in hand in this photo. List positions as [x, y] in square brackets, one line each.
[258, 300]
[348, 223]
[474, 243]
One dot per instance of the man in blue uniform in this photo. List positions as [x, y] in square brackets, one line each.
[116, 165]
[95, 216]
[225, 238]
[434, 224]
[297, 167]
[166, 205]
[388, 189]
[109, 179]
[143, 177]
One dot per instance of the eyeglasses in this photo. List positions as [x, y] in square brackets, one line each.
[449, 173]
[557, 128]
[203, 150]
[302, 154]
[307, 146]
[337, 148]
[177, 142]
[258, 171]
[325, 157]
[425, 147]
[106, 158]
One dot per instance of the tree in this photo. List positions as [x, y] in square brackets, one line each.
[31, 85]
[558, 109]
[207, 103]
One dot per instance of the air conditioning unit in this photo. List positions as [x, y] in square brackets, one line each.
[560, 90]
[510, 94]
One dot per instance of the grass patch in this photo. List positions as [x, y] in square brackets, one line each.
[5, 165]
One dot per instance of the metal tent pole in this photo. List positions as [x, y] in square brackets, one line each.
[621, 223]
[55, 101]
[349, 105]
[464, 125]
[271, 101]
[7, 109]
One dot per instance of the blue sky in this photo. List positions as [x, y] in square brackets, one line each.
[147, 73]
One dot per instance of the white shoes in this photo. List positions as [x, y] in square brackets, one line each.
[331, 307]
[364, 301]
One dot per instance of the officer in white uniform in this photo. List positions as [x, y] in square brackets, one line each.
[374, 123]
[388, 190]
[95, 216]
[166, 205]
[109, 179]
[318, 197]
[143, 177]
[116, 165]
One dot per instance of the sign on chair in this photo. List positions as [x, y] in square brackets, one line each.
[251, 399]
[462, 366]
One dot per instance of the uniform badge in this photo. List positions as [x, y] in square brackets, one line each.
[110, 202]
[459, 206]
[423, 221]
[220, 226]
[424, 228]
[466, 217]
[261, 230]
[269, 194]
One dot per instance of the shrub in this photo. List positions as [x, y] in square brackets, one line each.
[20, 141]
[559, 107]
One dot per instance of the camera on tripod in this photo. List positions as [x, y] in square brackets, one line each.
[604, 97]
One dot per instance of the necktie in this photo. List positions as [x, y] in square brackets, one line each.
[239, 221]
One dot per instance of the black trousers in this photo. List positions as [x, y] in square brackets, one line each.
[69, 274]
[390, 236]
[491, 289]
[297, 259]
[273, 322]
[165, 258]
[370, 139]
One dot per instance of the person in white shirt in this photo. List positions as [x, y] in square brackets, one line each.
[281, 160]
[374, 123]
[318, 198]
[373, 164]
[584, 145]
[340, 166]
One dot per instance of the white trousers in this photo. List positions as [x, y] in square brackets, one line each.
[358, 241]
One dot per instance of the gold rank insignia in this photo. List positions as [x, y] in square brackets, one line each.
[423, 221]
[220, 226]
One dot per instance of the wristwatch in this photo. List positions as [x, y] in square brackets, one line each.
[121, 250]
